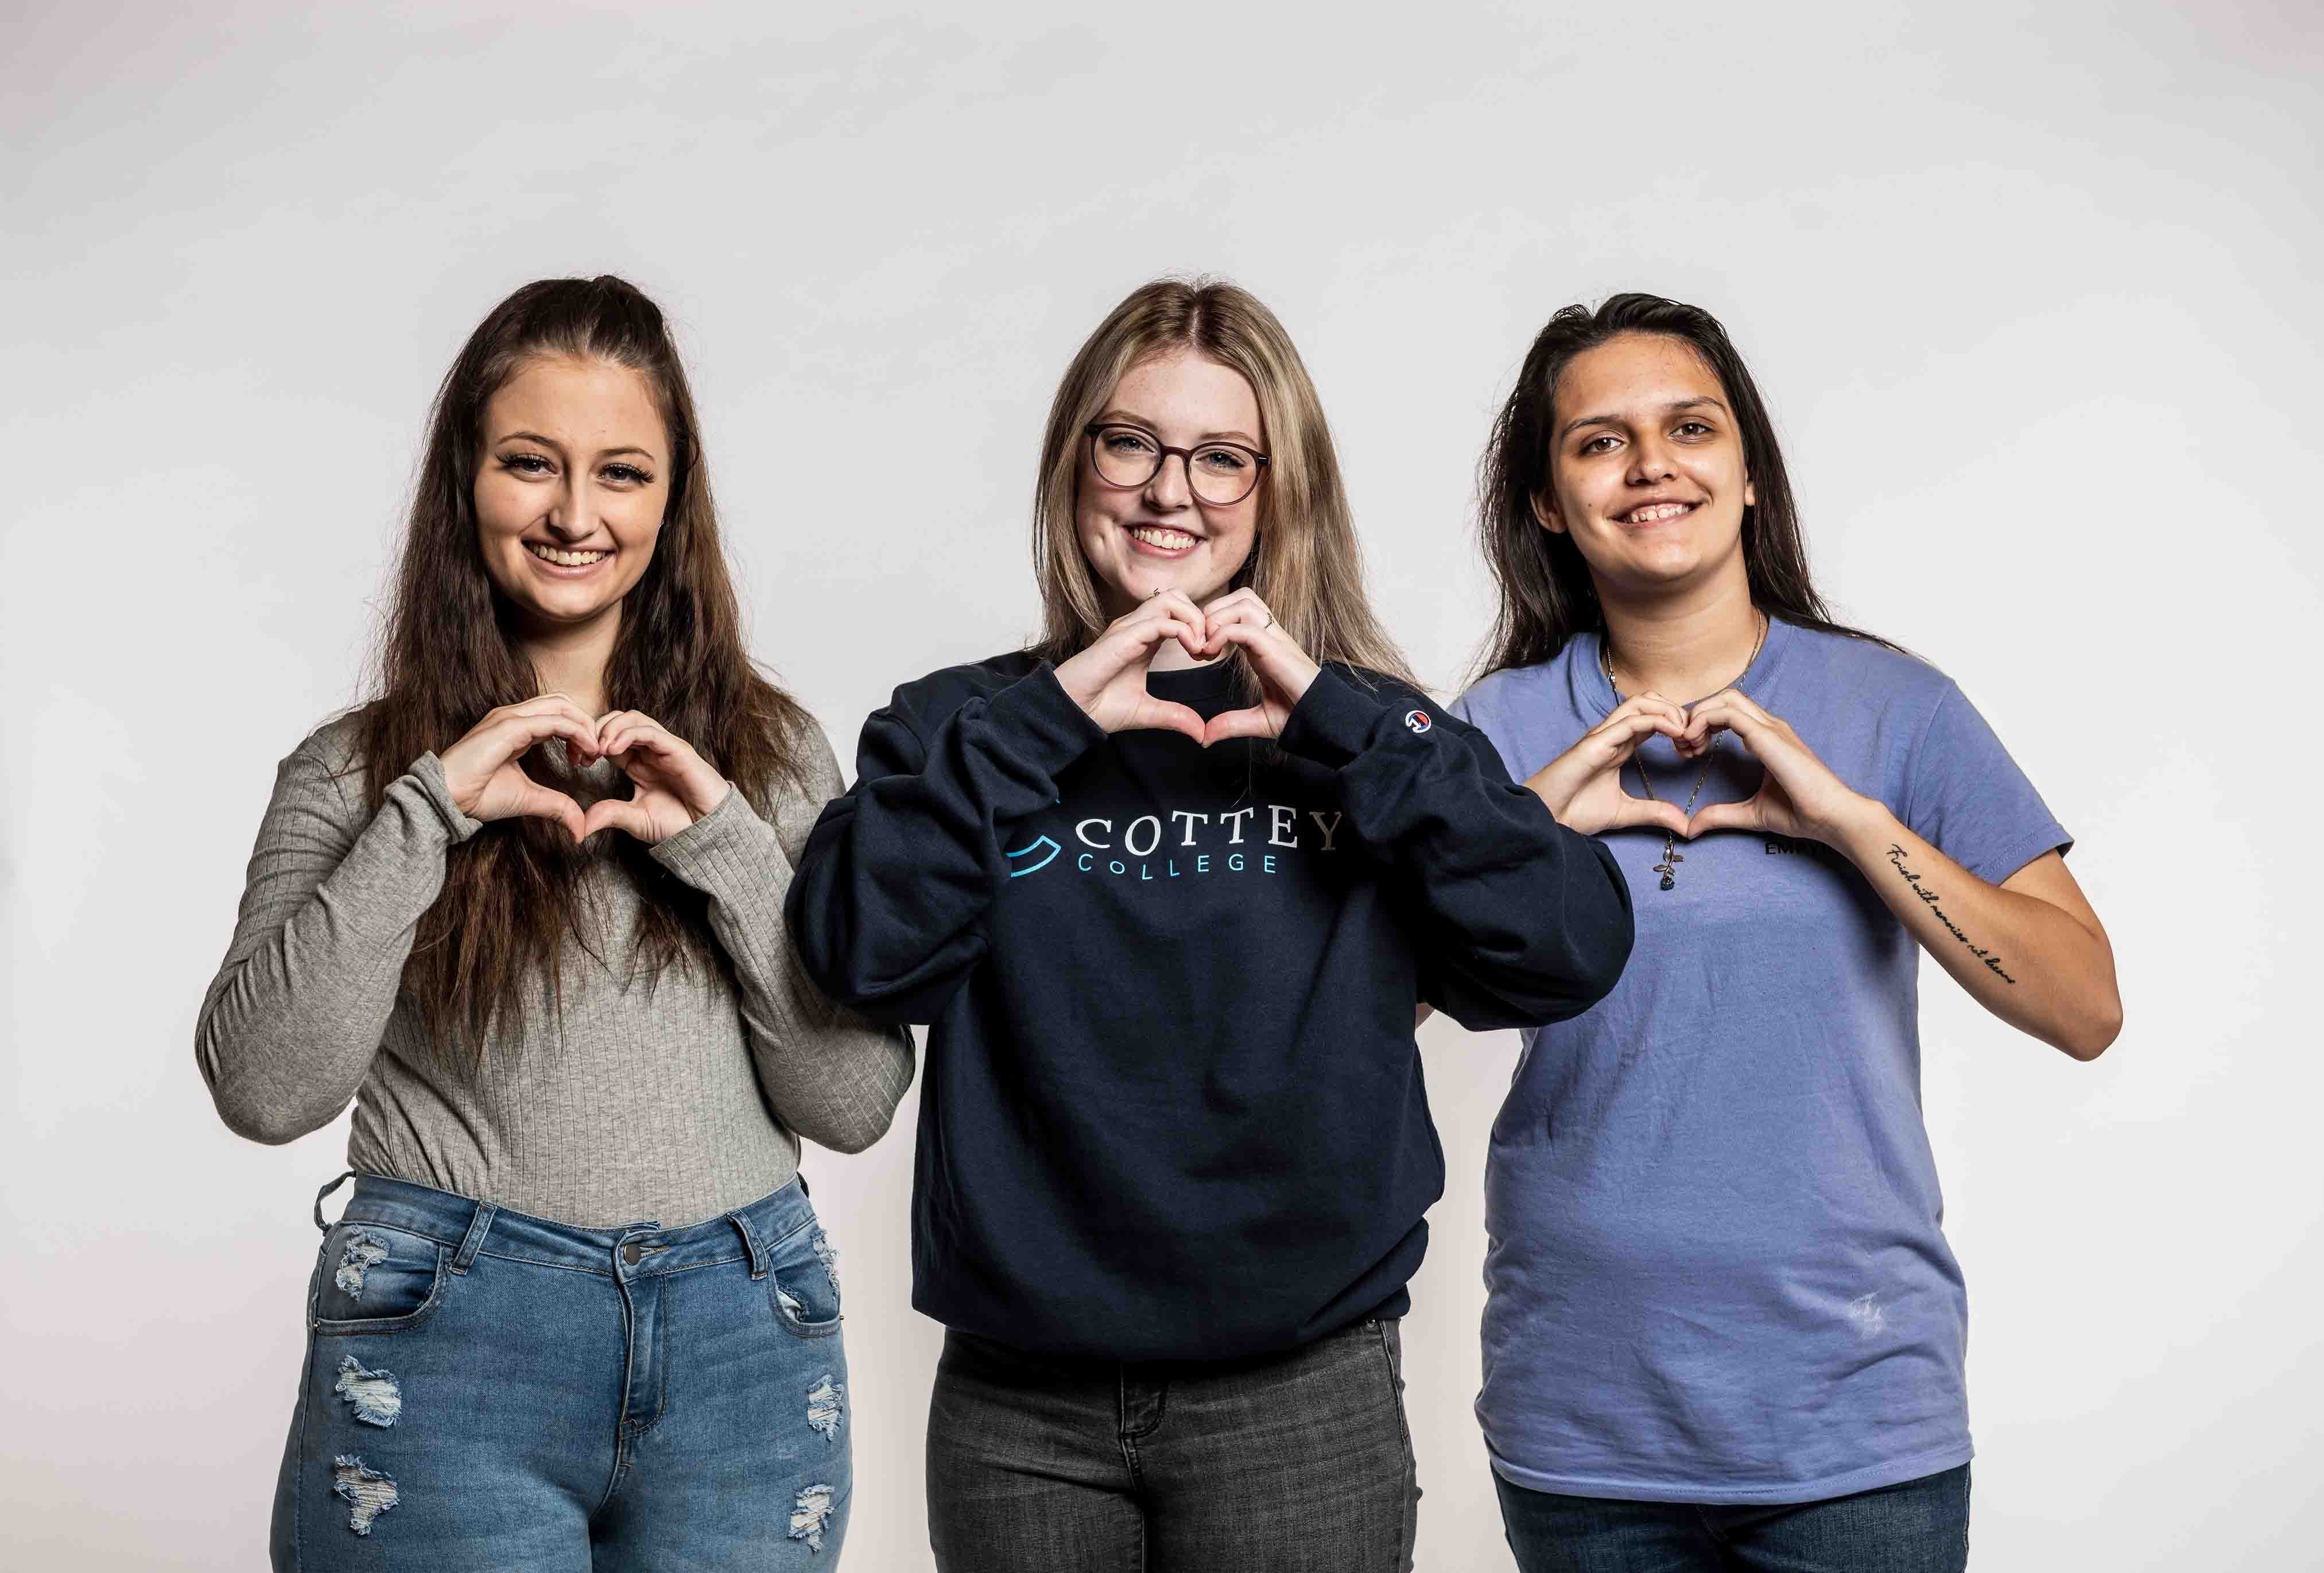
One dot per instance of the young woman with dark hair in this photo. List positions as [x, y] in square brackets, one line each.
[525, 909]
[1724, 1330]
[1166, 885]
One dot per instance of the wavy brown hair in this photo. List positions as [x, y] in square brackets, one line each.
[492, 944]
[1546, 594]
[1305, 564]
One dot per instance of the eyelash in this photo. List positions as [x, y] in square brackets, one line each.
[532, 464]
[1592, 446]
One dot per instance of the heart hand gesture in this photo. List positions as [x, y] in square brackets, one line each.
[1241, 619]
[1799, 795]
[482, 771]
[1108, 680]
[1584, 785]
[672, 785]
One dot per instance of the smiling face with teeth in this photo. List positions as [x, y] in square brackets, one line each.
[1160, 536]
[1646, 467]
[570, 490]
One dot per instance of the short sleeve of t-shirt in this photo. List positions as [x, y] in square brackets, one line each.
[1964, 795]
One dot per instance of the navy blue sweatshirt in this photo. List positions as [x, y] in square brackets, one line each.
[1172, 1105]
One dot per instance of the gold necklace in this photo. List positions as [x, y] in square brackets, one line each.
[1672, 855]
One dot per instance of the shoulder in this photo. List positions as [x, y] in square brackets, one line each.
[336, 745]
[1904, 685]
[924, 703]
[331, 755]
[1496, 699]
[1865, 659]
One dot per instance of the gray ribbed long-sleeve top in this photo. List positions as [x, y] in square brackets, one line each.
[671, 1101]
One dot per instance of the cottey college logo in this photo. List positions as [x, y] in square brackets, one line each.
[1418, 720]
[1252, 839]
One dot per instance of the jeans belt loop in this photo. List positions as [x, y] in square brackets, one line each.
[326, 1191]
[750, 1242]
[474, 1241]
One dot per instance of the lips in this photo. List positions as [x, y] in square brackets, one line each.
[1659, 511]
[560, 556]
[1163, 538]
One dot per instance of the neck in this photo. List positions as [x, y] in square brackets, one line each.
[571, 660]
[1685, 646]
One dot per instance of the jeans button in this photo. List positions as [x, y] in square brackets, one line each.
[629, 1252]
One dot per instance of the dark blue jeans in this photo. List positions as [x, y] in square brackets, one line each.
[1291, 1463]
[484, 1389]
[1919, 1526]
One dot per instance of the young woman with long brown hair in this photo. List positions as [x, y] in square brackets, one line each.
[1724, 1330]
[1167, 885]
[524, 907]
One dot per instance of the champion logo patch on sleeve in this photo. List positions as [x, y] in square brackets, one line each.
[1418, 720]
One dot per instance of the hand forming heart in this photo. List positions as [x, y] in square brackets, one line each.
[1108, 680]
[1582, 786]
[673, 785]
[1798, 795]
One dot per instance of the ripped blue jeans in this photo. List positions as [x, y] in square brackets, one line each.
[484, 1389]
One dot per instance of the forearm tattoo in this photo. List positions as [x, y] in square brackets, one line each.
[1991, 961]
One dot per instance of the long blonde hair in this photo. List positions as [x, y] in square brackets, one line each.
[1305, 564]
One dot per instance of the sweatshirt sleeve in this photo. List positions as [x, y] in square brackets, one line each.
[289, 1027]
[828, 1073]
[889, 907]
[1515, 921]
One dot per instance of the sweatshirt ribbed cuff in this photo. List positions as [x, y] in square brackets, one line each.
[729, 849]
[1040, 721]
[1332, 722]
[428, 772]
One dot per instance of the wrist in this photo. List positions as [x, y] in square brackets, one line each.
[1864, 830]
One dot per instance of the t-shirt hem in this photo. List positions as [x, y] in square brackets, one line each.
[1894, 1472]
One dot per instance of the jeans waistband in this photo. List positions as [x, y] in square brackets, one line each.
[640, 1250]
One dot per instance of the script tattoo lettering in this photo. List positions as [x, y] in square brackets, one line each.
[1992, 961]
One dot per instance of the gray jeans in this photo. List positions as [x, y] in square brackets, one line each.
[1281, 1464]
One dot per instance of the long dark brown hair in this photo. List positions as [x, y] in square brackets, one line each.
[448, 652]
[1547, 593]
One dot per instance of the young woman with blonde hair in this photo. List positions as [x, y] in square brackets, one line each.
[1166, 885]
[524, 908]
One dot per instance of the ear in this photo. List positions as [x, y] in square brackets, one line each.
[1544, 514]
[1750, 493]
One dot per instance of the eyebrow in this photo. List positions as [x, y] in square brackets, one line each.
[552, 442]
[1672, 408]
[1124, 418]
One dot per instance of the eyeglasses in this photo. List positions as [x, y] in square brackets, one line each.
[1219, 474]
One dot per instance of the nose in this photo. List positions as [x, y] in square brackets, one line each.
[1172, 486]
[571, 516]
[1650, 461]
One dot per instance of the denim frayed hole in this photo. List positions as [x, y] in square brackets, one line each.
[828, 1254]
[807, 1513]
[825, 1401]
[362, 1251]
[375, 1395]
[371, 1493]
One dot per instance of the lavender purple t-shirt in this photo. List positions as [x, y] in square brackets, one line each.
[1716, 1265]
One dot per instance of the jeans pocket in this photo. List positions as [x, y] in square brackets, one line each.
[805, 1284]
[373, 1280]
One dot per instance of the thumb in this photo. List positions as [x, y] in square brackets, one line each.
[617, 814]
[1742, 816]
[546, 803]
[1163, 715]
[1655, 812]
[1251, 722]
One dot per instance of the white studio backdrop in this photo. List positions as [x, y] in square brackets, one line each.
[2030, 290]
